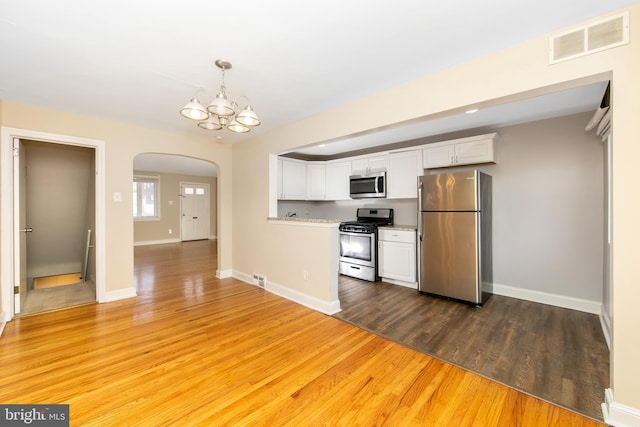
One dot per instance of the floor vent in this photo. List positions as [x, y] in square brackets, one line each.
[601, 35]
[259, 280]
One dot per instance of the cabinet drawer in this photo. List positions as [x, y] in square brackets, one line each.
[403, 236]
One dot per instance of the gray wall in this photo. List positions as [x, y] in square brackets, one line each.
[59, 191]
[548, 204]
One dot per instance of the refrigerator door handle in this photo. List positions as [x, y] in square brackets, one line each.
[420, 209]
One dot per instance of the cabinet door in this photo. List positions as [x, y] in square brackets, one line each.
[378, 162]
[359, 165]
[369, 163]
[280, 194]
[402, 177]
[397, 261]
[437, 157]
[337, 180]
[474, 152]
[294, 180]
[315, 181]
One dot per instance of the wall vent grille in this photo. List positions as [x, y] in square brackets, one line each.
[259, 280]
[598, 36]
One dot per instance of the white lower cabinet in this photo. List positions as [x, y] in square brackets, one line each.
[397, 256]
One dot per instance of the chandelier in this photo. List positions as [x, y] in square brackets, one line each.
[221, 113]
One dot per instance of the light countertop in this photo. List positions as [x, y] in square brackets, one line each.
[308, 220]
[399, 227]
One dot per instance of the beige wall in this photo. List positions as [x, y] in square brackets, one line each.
[522, 69]
[157, 230]
[122, 143]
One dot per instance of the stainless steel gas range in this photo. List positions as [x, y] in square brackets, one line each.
[359, 243]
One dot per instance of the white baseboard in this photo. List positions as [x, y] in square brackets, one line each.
[605, 324]
[587, 306]
[119, 294]
[326, 307]
[225, 274]
[164, 241]
[618, 415]
[156, 242]
[3, 321]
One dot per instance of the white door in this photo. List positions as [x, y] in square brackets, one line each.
[195, 211]
[22, 230]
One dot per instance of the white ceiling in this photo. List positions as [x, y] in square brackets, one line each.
[140, 62]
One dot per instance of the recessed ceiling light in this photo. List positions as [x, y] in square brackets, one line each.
[474, 110]
[322, 145]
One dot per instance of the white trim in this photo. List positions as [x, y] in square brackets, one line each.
[605, 324]
[224, 274]
[119, 294]
[326, 307]
[164, 241]
[617, 414]
[156, 242]
[587, 306]
[3, 321]
[7, 216]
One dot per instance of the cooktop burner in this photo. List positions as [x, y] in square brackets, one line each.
[368, 220]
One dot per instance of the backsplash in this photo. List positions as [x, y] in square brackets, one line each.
[405, 211]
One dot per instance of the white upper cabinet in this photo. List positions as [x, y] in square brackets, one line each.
[303, 180]
[367, 164]
[464, 151]
[316, 181]
[337, 179]
[294, 179]
[402, 175]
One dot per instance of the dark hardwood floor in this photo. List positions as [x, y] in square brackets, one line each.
[553, 353]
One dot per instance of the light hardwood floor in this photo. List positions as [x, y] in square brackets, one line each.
[195, 350]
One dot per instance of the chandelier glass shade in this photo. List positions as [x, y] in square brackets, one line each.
[221, 113]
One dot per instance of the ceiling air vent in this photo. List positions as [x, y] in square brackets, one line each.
[601, 35]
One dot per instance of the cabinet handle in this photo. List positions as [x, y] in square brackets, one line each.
[452, 160]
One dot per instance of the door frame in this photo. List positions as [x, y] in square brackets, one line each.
[9, 247]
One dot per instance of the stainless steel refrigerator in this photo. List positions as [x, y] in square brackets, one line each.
[454, 235]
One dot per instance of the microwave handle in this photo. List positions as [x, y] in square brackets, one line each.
[378, 179]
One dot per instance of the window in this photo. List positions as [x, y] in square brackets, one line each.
[146, 192]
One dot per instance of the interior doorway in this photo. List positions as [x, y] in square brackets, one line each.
[57, 194]
[52, 221]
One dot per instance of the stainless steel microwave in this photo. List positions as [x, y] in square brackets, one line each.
[369, 185]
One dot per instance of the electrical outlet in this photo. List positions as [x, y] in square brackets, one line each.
[170, 231]
[305, 274]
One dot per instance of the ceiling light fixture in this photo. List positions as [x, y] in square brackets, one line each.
[221, 113]
[473, 110]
